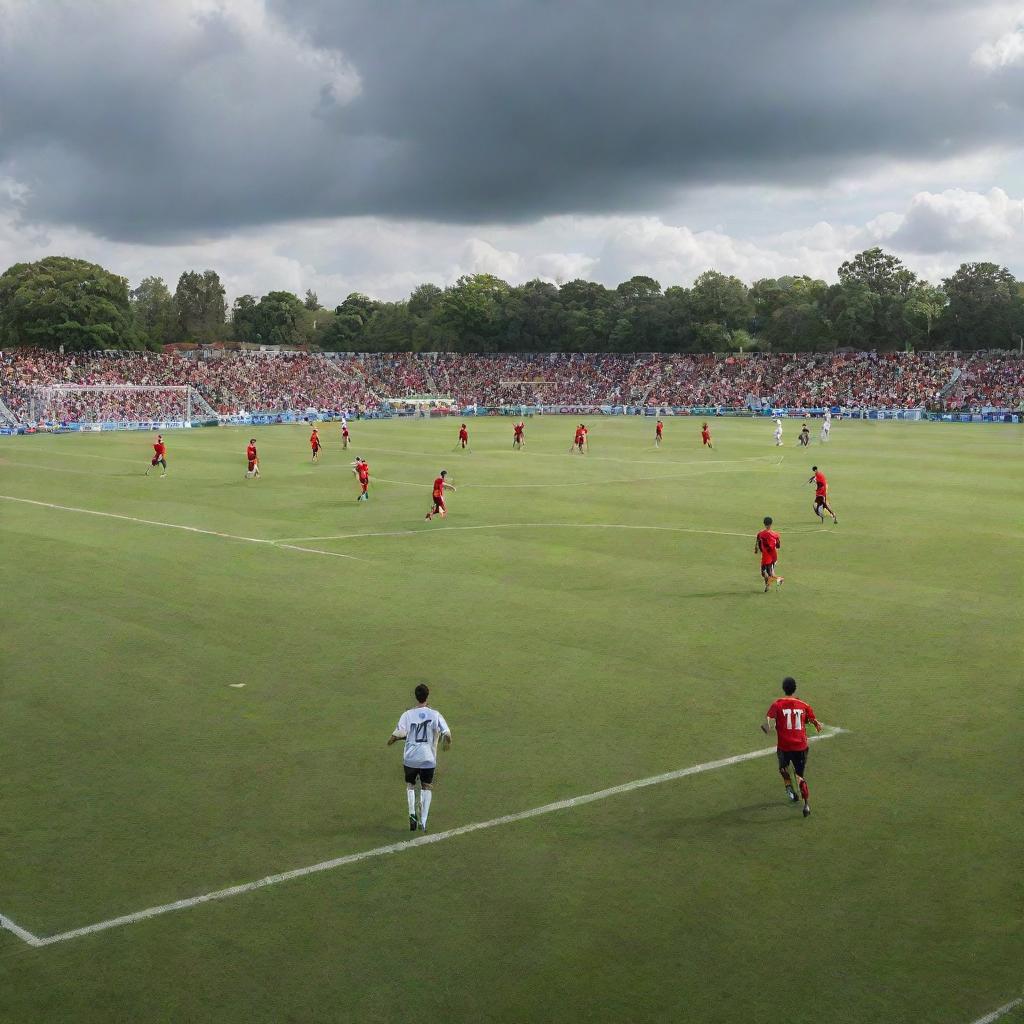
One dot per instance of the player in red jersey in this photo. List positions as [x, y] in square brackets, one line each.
[517, 435]
[705, 436]
[767, 543]
[253, 459]
[314, 443]
[821, 495]
[362, 473]
[659, 429]
[463, 436]
[789, 717]
[439, 508]
[159, 456]
[344, 434]
[579, 439]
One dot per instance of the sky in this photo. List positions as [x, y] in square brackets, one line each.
[343, 145]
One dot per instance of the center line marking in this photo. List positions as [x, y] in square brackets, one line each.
[401, 847]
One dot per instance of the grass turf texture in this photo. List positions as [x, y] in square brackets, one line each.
[567, 659]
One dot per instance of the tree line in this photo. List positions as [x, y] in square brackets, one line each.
[877, 303]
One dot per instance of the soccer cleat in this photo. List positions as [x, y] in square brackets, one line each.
[780, 580]
[423, 827]
[767, 586]
[791, 794]
[807, 810]
[412, 822]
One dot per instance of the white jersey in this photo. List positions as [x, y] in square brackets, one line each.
[421, 728]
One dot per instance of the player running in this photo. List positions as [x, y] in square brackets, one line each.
[767, 543]
[789, 717]
[421, 727]
[804, 437]
[821, 495]
[159, 456]
[314, 443]
[252, 456]
[463, 436]
[439, 508]
[362, 473]
[705, 436]
[517, 435]
[344, 434]
[659, 430]
[778, 433]
[826, 425]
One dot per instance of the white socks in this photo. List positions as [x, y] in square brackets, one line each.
[411, 794]
[424, 805]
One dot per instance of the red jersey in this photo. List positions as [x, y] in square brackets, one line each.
[579, 437]
[363, 472]
[160, 449]
[344, 431]
[768, 543]
[463, 434]
[791, 716]
[705, 433]
[820, 484]
[659, 428]
[518, 430]
[250, 453]
[438, 487]
[314, 440]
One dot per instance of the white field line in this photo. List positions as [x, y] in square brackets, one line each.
[433, 531]
[1002, 1011]
[171, 526]
[380, 851]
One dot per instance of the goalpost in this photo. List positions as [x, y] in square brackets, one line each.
[117, 403]
[517, 396]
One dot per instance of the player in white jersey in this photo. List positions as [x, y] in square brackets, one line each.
[778, 433]
[421, 727]
[826, 424]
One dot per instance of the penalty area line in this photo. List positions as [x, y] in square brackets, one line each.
[175, 526]
[401, 847]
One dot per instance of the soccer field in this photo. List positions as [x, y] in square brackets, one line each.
[197, 685]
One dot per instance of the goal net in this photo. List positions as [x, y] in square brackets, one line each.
[518, 396]
[114, 404]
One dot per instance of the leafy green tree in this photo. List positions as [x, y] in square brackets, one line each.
[153, 311]
[985, 308]
[889, 285]
[389, 328]
[720, 299]
[472, 310]
[200, 306]
[922, 310]
[533, 318]
[640, 324]
[243, 318]
[878, 271]
[59, 301]
[588, 315]
[311, 301]
[345, 331]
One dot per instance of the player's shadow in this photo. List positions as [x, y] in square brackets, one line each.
[774, 812]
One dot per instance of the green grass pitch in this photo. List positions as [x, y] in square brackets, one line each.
[569, 654]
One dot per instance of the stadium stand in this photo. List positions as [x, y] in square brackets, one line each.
[247, 382]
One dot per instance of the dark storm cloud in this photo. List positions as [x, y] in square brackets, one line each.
[152, 124]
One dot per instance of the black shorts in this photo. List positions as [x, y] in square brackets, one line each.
[768, 570]
[796, 758]
[425, 775]
[819, 499]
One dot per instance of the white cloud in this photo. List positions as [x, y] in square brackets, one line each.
[958, 221]
[1003, 52]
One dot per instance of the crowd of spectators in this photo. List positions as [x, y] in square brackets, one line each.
[246, 382]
